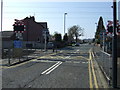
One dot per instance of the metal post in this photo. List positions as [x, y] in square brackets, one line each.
[27, 38]
[9, 56]
[103, 41]
[45, 40]
[114, 47]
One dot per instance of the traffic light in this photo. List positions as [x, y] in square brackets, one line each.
[18, 27]
[110, 29]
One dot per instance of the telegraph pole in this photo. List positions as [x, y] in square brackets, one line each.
[114, 47]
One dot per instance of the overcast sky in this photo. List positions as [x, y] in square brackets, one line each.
[84, 14]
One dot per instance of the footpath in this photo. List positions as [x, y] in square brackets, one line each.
[101, 79]
[37, 53]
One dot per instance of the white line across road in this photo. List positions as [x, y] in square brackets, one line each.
[67, 57]
[78, 50]
[52, 68]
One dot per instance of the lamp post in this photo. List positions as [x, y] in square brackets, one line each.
[64, 21]
[95, 30]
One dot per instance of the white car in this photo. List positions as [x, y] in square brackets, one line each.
[77, 44]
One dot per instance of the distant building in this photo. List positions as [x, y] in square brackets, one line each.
[33, 37]
[34, 30]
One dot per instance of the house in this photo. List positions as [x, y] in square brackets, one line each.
[34, 30]
[34, 34]
[33, 37]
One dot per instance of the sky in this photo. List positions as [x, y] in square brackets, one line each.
[84, 14]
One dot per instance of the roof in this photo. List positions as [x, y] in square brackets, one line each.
[43, 24]
[32, 18]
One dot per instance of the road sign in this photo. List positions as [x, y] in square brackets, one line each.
[17, 44]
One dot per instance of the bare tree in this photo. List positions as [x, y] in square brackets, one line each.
[75, 31]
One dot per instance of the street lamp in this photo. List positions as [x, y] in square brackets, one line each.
[64, 21]
[1, 13]
[95, 30]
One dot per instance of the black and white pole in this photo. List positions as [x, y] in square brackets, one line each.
[114, 47]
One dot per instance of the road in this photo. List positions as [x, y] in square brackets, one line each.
[72, 67]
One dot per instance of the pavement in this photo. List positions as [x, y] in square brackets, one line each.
[71, 67]
[104, 61]
[35, 54]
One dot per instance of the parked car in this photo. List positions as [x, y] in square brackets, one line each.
[50, 45]
[77, 44]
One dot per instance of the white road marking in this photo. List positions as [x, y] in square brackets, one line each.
[61, 51]
[67, 57]
[78, 50]
[83, 62]
[43, 61]
[52, 67]
[76, 62]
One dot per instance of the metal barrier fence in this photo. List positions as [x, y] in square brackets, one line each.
[12, 56]
[105, 62]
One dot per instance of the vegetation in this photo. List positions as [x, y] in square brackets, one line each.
[99, 28]
[58, 37]
[65, 38]
[74, 32]
[58, 43]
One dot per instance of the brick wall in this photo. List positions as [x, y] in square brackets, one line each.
[34, 30]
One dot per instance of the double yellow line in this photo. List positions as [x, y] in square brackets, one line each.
[92, 76]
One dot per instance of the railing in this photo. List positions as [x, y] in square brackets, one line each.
[11, 56]
[105, 62]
